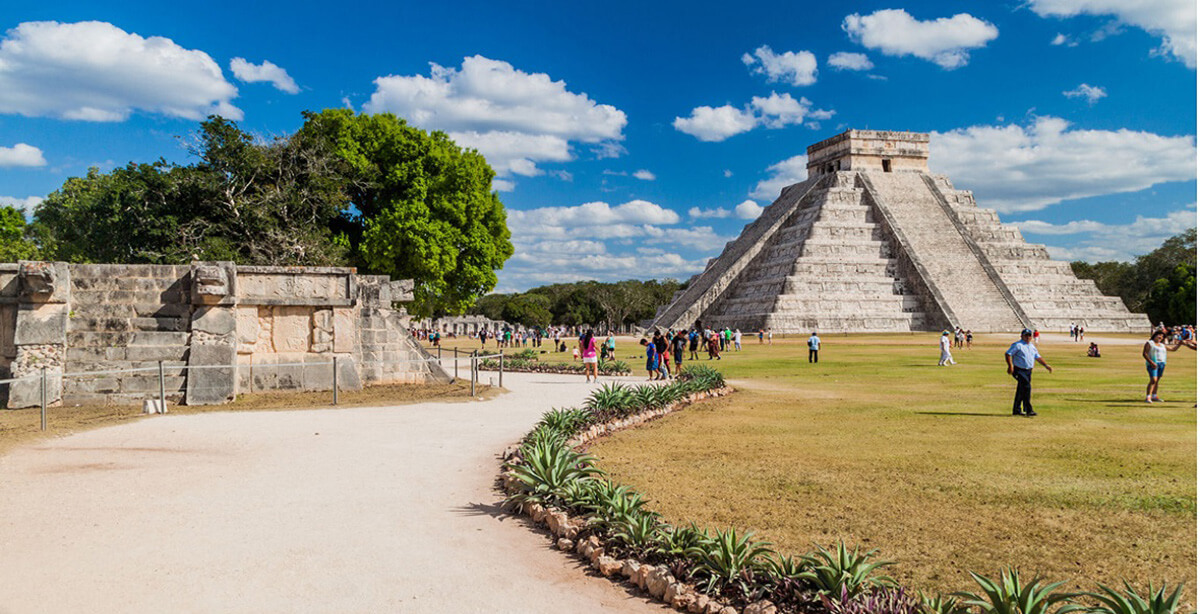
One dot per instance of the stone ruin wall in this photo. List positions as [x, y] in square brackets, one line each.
[240, 328]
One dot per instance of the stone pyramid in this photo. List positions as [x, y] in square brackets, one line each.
[873, 242]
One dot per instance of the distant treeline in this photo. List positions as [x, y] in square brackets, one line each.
[580, 303]
[1161, 284]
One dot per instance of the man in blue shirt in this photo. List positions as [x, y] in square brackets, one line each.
[814, 346]
[1020, 358]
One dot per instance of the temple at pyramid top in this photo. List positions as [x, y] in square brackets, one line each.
[870, 150]
[872, 241]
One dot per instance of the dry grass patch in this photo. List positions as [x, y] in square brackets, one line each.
[19, 426]
[878, 446]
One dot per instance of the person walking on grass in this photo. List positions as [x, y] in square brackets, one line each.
[1155, 353]
[1020, 357]
[947, 359]
[693, 344]
[678, 342]
[591, 364]
[814, 346]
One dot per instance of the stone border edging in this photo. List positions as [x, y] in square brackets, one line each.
[655, 580]
[551, 370]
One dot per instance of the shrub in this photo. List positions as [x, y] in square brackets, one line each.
[728, 561]
[942, 604]
[676, 541]
[611, 400]
[1009, 596]
[876, 601]
[1129, 601]
[843, 572]
[641, 531]
[567, 421]
[546, 467]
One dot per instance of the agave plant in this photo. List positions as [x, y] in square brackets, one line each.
[843, 572]
[641, 531]
[888, 600]
[611, 503]
[614, 367]
[645, 397]
[1130, 601]
[1010, 596]
[942, 604]
[706, 377]
[729, 560]
[566, 421]
[546, 468]
[676, 541]
[611, 400]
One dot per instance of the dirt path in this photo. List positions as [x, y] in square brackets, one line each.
[353, 510]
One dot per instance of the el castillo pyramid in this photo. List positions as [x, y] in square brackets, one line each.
[871, 242]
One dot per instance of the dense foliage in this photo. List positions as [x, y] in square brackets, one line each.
[732, 565]
[1161, 284]
[580, 303]
[352, 190]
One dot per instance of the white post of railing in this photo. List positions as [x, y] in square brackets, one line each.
[335, 380]
[501, 368]
[473, 372]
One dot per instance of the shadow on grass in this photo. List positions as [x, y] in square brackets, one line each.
[963, 413]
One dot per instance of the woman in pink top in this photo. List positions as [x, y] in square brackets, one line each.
[587, 348]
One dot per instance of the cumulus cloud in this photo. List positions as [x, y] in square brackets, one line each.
[1026, 168]
[21, 154]
[514, 118]
[26, 204]
[1087, 92]
[266, 72]
[718, 213]
[774, 111]
[644, 175]
[1098, 241]
[783, 174]
[748, 210]
[598, 241]
[1173, 20]
[1062, 39]
[95, 71]
[797, 68]
[844, 60]
[944, 41]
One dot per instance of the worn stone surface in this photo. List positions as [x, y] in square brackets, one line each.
[217, 383]
[760, 607]
[872, 242]
[41, 323]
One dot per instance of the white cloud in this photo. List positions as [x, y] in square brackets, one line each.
[1025, 168]
[943, 41]
[644, 175]
[597, 213]
[748, 210]
[844, 60]
[719, 213]
[798, 68]
[266, 72]
[95, 71]
[728, 173]
[783, 174]
[1087, 92]
[1112, 241]
[502, 185]
[1173, 20]
[26, 204]
[21, 154]
[514, 118]
[774, 111]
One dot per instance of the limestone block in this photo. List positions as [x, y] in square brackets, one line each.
[215, 320]
[41, 323]
[343, 330]
[214, 283]
[291, 329]
[28, 392]
[45, 282]
[247, 327]
[210, 386]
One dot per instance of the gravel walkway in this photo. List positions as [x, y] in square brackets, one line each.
[349, 510]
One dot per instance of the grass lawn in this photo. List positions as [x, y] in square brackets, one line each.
[878, 446]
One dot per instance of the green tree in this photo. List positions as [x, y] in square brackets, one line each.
[527, 310]
[14, 245]
[423, 207]
[1153, 282]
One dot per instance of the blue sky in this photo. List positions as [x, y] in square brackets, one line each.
[633, 140]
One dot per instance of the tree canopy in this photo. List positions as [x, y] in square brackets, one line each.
[344, 190]
[1161, 284]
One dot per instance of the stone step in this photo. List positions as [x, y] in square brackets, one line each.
[825, 247]
[857, 287]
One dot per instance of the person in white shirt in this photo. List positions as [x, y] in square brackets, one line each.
[947, 359]
[1155, 354]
